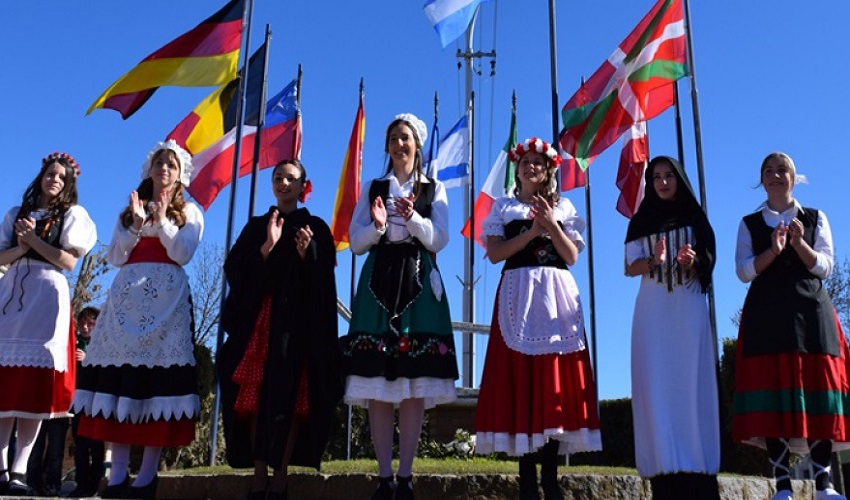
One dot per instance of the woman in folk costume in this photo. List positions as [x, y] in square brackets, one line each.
[670, 245]
[400, 347]
[39, 239]
[537, 397]
[280, 365]
[138, 383]
[791, 365]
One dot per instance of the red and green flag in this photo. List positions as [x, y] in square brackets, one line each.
[634, 84]
[206, 55]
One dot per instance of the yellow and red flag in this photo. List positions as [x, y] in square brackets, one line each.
[348, 190]
[206, 55]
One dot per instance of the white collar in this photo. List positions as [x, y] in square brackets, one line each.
[795, 206]
[391, 175]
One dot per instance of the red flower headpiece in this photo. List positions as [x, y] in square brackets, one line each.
[57, 156]
[308, 188]
[535, 145]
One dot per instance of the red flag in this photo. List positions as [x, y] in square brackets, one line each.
[633, 160]
[634, 84]
[572, 175]
[348, 190]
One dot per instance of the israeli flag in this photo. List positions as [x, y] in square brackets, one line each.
[452, 162]
[450, 17]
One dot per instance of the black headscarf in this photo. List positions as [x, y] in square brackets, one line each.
[656, 215]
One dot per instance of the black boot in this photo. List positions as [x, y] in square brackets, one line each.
[385, 489]
[549, 471]
[528, 478]
[404, 488]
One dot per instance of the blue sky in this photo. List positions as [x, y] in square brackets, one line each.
[767, 80]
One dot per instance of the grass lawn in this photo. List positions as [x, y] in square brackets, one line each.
[420, 466]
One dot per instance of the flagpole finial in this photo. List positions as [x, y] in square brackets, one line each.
[513, 101]
[436, 105]
[361, 85]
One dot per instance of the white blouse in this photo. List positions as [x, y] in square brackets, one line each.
[432, 232]
[745, 257]
[508, 209]
[180, 242]
[78, 231]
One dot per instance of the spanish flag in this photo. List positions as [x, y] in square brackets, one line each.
[204, 56]
[349, 181]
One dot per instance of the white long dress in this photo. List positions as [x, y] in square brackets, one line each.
[674, 381]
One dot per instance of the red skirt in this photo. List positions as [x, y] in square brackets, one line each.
[524, 400]
[41, 393]
[161, 433]
[792, 395]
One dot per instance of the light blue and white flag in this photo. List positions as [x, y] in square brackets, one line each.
[452, 162]
[433, 147]
[450, 17]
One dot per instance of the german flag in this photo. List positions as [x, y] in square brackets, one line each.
[204, 56]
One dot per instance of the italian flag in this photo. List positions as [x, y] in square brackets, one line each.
[500, 182]
[634, 84]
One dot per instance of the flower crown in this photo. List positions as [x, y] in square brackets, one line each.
[59, 157]
[535, 145]
[183, 157]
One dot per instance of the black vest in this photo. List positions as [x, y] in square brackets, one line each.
[787, 308]
[422, 203]
[539, 252]
[48, 229]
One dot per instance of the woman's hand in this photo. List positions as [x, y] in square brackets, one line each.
[660, 254]
[685, 257]
[137, 208]
[25, 230]
[404, 206]
[302, 240]
[379, 213]
[795, 233]
[273, 232]
[159, 206]
[544, 213]
[779, 238]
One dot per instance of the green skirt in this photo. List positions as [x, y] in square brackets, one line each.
[419, 344]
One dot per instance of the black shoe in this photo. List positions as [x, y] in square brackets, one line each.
[385, 489]
[18, 486]
[4, 485]
[404, 488]
[278, 495]
[81, 491]
[116, 490]
[147, 492]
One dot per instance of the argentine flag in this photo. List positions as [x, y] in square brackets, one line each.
[450, 17]
[451, 166]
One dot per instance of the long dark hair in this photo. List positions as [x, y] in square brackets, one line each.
[61, 202]
[145, 189]
[417, 158]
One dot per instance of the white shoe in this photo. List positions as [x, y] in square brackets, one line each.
[783, 495]
[829, 494]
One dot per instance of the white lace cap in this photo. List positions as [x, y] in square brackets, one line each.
[417, 124]
[183, 157]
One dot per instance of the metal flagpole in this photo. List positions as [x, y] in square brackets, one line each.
[468, 358]
[261, 121]
[680, 141]
[240, 107]
[351, 304]
[700, 166]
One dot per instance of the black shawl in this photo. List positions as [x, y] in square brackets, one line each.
[303, 332]
[655, 215]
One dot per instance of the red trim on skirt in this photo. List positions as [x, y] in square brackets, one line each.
[40, 391]
[812, 373]
[527, 394]
[155, 433]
